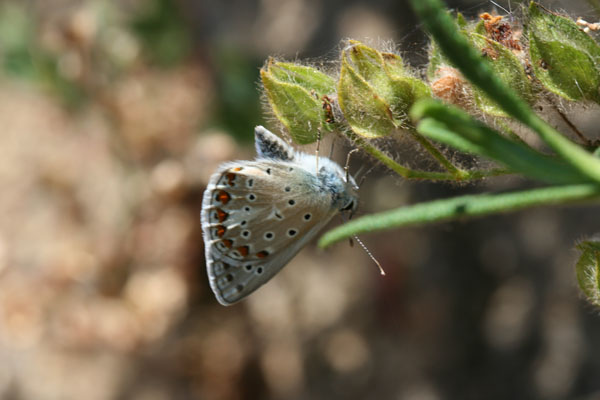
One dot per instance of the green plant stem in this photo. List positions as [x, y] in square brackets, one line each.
[586, 142]
[510, 133]
[469, 61]
[435, 153]
[461, 207]
[414, 174]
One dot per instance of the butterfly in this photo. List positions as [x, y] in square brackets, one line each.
[257, 215]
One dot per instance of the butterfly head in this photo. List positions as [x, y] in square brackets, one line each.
[332, 176]
[342, 186]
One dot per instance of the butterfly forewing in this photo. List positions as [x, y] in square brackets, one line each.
[256, 215]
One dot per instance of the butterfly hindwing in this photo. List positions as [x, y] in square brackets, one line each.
[256, 215]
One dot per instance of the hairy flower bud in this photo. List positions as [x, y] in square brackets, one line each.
[588, 271]
[297, 95]
[375, 91]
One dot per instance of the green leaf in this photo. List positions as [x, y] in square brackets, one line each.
[456, 128]
[295, 96]
[394, 66]
[305, 76]
[565, 71]
[588, 271]
[564, 58]
[368, 64]
[460, 207]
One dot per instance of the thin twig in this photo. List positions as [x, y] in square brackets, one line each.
[586, 141]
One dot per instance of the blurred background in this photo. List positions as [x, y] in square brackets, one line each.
[113, 116]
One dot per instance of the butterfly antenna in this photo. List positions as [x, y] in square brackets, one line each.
[359, 173]
[347, 167]
[369, 254]
[500, 7]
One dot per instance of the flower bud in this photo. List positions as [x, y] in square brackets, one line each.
[588, 270]
[374, 91]
[297, 95]
[498, 44]
[507, 67]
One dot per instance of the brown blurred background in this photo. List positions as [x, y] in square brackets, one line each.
[114, 115]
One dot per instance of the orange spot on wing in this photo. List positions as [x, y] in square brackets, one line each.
[221, 215]
[223, 197]
[221, 230]
[228, 243]
[230, 176]
[262, 254]
[243, 250]
[237, 168]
